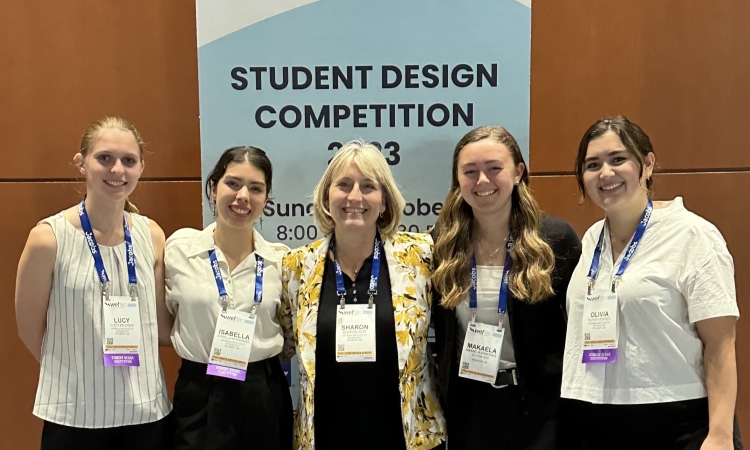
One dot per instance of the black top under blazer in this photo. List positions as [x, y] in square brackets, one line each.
[538, 333]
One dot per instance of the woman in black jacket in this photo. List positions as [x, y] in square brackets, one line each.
[499, 308]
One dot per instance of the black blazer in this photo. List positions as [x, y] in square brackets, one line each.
[538, 333]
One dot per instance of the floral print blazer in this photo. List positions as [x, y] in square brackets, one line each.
[409, 257]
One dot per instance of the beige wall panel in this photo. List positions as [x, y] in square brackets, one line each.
[713, 196]
[679, 69]
[172, 204]
[66, 64]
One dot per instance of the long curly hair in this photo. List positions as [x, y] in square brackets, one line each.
[530, 278]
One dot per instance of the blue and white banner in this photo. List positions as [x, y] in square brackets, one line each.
[298, 78]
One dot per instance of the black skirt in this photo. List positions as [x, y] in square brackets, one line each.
[213, 413]
[681, 425]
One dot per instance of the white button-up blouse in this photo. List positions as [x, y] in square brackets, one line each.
[193, 297]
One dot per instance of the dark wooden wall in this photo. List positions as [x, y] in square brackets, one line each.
[679, 68]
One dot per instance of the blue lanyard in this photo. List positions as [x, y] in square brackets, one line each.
[88, 233]
[502, 304]
[373, 288]
[637, 237]
[223, 297]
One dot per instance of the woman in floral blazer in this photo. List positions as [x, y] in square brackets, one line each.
[390, 402]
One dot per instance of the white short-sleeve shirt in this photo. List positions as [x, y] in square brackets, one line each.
[681, 273]
[193, 298]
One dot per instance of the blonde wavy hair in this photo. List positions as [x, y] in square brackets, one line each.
[530, 278]
[94, 132]
[372, 164]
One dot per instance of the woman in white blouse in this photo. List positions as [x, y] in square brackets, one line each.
[223, 289]
[649, 353]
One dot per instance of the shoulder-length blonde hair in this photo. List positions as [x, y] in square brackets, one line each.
[373, 165]
[530, 278]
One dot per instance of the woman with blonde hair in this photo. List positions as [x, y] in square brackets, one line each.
[87, 287]
[360, 302]
[499, 309]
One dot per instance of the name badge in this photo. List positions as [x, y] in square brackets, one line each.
[480, 356]
[355, 333]
[122, 331]
[600, 332]
[230, 349]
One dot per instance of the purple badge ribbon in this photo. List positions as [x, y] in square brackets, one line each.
[604, 355]
[122, 359]
[226, 372]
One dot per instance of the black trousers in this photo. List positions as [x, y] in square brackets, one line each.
[147, 436]
[681, 425]
[219, 413]
[481, 417]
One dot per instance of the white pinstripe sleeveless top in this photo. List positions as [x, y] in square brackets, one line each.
[75, 389]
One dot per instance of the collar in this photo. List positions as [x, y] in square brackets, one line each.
[204, 241]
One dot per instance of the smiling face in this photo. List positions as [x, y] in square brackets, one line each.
[487, 175]
[240, 195]
[354, 200]
[611, 174]
[113, 165]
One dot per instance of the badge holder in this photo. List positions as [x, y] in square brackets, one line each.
[122, 328]
[480, 356]
[600, 326]
[234, 330]
[355, 331]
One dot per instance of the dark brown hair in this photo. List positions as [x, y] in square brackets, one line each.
[635, 140]
[238, 155]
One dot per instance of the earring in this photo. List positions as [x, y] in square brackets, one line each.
[380, 215]
[261, 221]
[212, 206]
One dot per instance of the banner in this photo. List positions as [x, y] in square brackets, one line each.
[299, 78]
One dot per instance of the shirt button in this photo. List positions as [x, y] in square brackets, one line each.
[354, 291]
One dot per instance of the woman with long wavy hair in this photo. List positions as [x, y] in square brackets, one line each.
[499, 305]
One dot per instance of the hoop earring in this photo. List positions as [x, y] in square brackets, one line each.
[380, 215]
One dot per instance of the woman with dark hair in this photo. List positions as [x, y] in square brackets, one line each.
[84, 273]
[502, 272]
[223, 288]
[649, 354]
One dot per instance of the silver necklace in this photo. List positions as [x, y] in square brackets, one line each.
[492, 255]
[355, 268]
